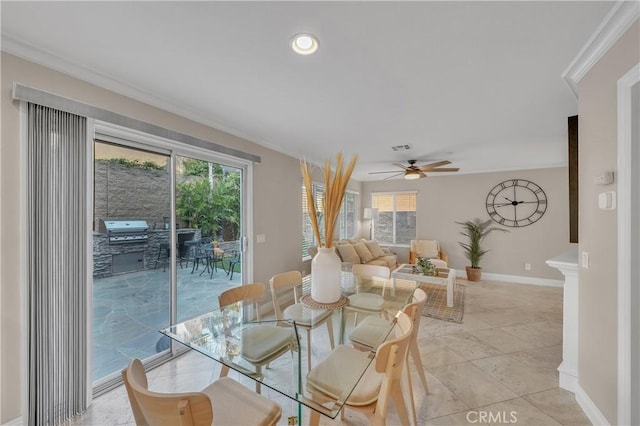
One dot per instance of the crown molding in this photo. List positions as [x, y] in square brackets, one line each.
[615, 24]
[29, 52]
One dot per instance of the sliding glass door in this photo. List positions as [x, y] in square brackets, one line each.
[131, 253]
[158, 260]
[209, 227]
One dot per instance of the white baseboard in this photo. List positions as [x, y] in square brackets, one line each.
[589, 408]
[16, 421]
[516, 279]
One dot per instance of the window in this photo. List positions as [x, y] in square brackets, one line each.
[347, 220]
[396, 222]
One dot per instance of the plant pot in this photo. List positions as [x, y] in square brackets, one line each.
[474, 274]
[326, 274]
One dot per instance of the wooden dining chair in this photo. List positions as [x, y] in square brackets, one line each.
[304, 316]
[365, 302]
[371, 332]
[224, 402]
[380, 384]
[273, 342]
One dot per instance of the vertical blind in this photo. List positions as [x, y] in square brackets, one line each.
[57, 268]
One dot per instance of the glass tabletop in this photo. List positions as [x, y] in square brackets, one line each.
[239, 343]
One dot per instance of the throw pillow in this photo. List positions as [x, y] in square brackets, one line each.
[348, 253]
[375, 249]
[427, 248]
[363, 252]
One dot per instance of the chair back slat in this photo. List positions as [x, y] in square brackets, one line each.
[281, 282]
[248, 293]
[390, 359]
[152, 408]
[384, 360]
[368, 276]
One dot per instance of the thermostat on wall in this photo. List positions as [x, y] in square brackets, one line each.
[604, 179]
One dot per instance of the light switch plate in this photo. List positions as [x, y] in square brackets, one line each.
[607, 200]
[584, 260]
[261, 238]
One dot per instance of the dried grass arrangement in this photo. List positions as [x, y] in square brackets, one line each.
[334, 189]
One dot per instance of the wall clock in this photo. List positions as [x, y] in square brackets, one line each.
[516, 203]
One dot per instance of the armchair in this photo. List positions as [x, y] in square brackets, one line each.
[431, 249]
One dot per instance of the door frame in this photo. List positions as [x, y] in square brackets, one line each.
[628, 192]
[136, 139]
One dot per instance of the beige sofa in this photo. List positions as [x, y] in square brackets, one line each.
[361, 251]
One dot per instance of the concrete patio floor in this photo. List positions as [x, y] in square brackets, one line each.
[130, 308]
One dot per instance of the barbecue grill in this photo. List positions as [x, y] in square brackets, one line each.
[125, 231]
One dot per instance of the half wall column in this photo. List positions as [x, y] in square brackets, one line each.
[567, 263]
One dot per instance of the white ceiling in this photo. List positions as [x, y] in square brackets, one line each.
[477, 83]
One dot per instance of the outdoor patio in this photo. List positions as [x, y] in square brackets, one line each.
[130, 308]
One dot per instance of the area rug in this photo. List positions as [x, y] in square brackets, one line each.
[436, 306]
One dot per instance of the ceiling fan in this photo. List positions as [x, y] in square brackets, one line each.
[415, 172]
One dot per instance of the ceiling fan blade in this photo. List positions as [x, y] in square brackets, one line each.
[402, 166]
[391, 177]
[377, 173]
[422, 175]
[432, 165]
[444, 169]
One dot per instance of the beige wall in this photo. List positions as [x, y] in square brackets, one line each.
[598, 228]
[444, 200]
[276, 201]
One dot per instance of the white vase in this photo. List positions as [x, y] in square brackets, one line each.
[326, 284]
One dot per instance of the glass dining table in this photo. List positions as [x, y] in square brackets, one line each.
[231, 334]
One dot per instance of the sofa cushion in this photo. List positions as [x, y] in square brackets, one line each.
[375, 249]
[427, 248]
[363, 252]
[348, 253]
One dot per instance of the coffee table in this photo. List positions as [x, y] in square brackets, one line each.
[446, 277]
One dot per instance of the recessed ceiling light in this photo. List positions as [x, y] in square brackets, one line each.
[304, 44]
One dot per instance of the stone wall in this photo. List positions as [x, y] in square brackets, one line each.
[130, 193]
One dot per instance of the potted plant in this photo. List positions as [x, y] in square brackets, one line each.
[476, 231]
[427, 267]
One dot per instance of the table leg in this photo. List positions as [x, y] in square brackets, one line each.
[342, 326]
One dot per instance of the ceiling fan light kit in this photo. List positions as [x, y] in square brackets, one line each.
[416, 172]
[412, 174]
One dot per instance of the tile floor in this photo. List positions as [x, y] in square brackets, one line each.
[501, 362]
[130, 308]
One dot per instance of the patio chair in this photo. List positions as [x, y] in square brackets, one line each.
[234, 259]
[223, 402]
[201, 254]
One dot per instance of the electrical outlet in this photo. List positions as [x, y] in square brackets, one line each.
[292, 421]
[527, 266]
